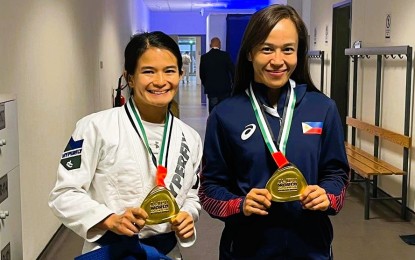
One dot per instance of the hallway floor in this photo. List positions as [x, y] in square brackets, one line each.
[354, 237]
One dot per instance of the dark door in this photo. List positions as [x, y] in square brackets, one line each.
[340, 62]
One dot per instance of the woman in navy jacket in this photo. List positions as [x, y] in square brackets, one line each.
[272, 68]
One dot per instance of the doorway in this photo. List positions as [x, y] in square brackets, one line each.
[188, 44]
[195, 45]
[339, 90]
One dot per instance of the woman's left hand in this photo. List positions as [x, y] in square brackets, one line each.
[183, 225]
[315, 198]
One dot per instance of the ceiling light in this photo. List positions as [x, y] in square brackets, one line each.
[207, 5]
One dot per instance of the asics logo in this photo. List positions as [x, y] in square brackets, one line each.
[249, 130]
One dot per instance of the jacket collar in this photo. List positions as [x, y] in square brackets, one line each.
[260, 91]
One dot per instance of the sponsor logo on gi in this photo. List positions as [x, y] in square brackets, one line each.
[177, 179]
[249, 130]
[71, 157]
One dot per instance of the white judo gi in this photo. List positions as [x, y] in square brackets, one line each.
[106, 168]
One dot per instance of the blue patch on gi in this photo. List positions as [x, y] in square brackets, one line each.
[71, 157]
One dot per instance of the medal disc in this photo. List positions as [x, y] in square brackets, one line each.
[286, 184]
[160, 206]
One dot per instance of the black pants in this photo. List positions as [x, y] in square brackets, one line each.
[164, 243]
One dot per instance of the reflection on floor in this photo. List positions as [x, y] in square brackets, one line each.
[354, 237]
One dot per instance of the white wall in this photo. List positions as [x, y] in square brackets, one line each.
[368, 25]
[185, 23]
[51, 51]
[216, 27]
[321, 15]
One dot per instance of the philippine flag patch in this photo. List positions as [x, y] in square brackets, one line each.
[312, 128]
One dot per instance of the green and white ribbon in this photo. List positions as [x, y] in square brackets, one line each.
[276, 152]
[162, 161]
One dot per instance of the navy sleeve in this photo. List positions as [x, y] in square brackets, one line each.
[216, 181]
[334, 168]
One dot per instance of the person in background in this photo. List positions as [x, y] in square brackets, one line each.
[110, 163]
[274, 92]
[187, 60]
[216, 73]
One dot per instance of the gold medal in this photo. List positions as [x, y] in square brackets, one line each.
[160, 206]
[286, 184]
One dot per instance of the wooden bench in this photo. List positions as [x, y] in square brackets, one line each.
[369, 167]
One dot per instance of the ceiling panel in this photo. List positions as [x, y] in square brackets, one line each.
[197, 5]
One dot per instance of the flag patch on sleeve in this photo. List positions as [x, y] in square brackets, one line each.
[312, 128]
[71, 157]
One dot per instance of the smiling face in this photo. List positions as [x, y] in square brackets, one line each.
[155, 81]
[276, 59]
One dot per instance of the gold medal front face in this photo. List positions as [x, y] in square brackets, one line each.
[160, 206]
[286, 184]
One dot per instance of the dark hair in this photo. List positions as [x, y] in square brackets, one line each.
[256, 32]
[139, 43]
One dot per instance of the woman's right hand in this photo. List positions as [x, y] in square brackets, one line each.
[128, 223]
[257, 201]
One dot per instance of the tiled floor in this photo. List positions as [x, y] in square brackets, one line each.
[354, 237]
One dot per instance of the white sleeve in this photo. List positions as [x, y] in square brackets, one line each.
[70, 199]
[192, 203]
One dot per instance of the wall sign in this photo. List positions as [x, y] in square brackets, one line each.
[326, 35]
[388, 23]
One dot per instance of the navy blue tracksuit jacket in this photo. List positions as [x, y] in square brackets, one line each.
[236, 159]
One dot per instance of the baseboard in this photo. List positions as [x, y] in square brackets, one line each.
[51, 242]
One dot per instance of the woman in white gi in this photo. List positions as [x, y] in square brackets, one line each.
[110, 163]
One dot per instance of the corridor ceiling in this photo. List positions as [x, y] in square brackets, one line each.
[197, 5]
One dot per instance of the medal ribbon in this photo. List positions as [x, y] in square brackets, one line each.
[277, 151]
[162, 162]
